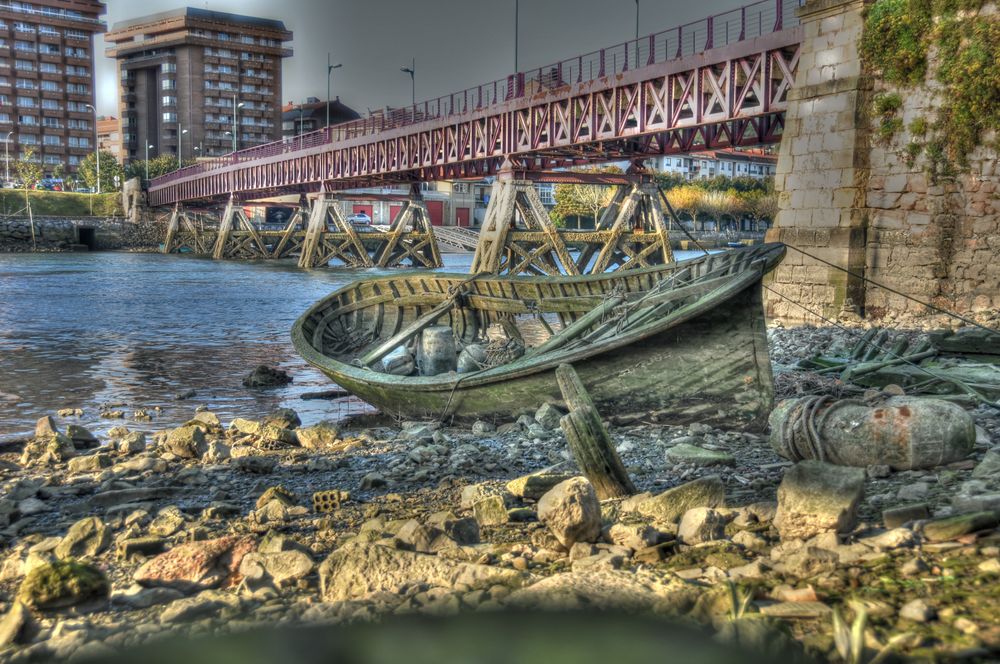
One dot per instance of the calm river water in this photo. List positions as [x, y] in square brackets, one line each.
[81, 330]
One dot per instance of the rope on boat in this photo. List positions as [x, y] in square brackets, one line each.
[798, 435]
[872, 344]
[938, 309]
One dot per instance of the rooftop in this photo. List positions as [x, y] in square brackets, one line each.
[202, 14]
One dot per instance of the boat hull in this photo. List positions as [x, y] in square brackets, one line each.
[712, 366]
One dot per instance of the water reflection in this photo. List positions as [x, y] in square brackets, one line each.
[81, 330]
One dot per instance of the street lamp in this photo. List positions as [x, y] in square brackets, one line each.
[516, 26]
[97, 149]
[329, 71]
[411, 70]
[236, 108]
[180, 143]
[637, 33]
[6, 156]
[147, 161]
[301, 123]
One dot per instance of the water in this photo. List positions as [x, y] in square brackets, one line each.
[81, 330]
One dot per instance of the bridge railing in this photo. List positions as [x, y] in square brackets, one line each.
[748, 22]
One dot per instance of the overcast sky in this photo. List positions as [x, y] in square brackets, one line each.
[456, 43]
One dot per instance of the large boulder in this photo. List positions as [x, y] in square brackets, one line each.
[196, 565]
[85, 538]
[320, 435]
[609, 589]
[572, 512]
[358, 570]
[47, 450]
[698, 456]
[671, 505]
[62, 583]
[816, 497]
[535, 485]
[701, 524]
[281, 568]
[265, 376]
[187, 442]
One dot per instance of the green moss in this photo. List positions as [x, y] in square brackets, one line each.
[919, 126]
[912, 151]
[899, 35]
[62, 583]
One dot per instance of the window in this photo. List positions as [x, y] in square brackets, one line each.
[31, 120]
[46, 30]
[48, 49]
[4, 63]
[4, 81]
[49, 139]
[77, 88]
[51, 105]
[47, 68]
[223, 36]
[5, 118]
[26, 84]
[4, 100]
[73, 70]
[170, 117]
[27, 102]
[24, 46]
[168, 84]
[53, 123]
[24, 65]
[50, 86]
[78, 124]
[78, 106]
[23, 27]
[169, 101]
[74, 52]
[168, 68]
[52, 159]
[75, 34]
[79, 142]
[74, 160]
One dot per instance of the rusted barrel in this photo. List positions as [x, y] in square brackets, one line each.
[903, 432]
[436, 352]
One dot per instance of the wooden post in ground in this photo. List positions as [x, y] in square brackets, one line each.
[589, 441]
[225, 228]
[172, 229]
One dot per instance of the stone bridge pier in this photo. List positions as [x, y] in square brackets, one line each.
[853, 200]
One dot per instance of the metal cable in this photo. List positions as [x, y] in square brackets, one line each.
[888, 352]
[894, 291]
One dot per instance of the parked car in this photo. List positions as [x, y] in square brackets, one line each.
[50, 184]
[359, 218]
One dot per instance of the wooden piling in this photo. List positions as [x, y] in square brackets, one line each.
[589, 441]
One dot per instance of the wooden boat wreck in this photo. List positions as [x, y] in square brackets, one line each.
[685, 341]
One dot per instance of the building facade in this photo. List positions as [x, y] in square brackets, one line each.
[197, 83]
[707, 165]
[309, 116]
[47, 81]
[109, 136]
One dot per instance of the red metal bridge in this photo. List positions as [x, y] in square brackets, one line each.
[719, 82]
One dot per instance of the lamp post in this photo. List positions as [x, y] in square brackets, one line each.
[329, 71]
[412, 70]
[97, 148]
[637, 33]
[516, 26]
[301, 123]
[236, 108]
[147, 161]
[6, 156]
[180, 143]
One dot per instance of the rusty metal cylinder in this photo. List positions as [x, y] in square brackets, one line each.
[904, 433]
[436, 352]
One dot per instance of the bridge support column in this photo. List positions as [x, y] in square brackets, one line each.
[172, 226]
[823, 170]
[418, 243]
[322, 245]
[230, 245]
[631, 233]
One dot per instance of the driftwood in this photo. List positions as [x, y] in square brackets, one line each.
[589, 440]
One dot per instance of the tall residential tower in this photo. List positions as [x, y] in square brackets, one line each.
[47, 81]
[190, 77]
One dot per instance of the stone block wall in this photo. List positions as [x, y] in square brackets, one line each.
[850, 200]
[56, 234]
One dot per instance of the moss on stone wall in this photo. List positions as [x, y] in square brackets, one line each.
[956, 40]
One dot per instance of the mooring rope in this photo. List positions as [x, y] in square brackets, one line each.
[936, 308]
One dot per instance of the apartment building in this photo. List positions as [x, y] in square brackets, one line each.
[197, 83]
[311, 115]
[109, 136]
[47, 81]
[707, 165]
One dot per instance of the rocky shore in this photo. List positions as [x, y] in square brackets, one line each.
[228, 527]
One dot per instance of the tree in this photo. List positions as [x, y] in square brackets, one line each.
[110, 169]
[720, 204]
[158, 166]
[583, 200]
[761, 206]
[29, 170]
[687, 199]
